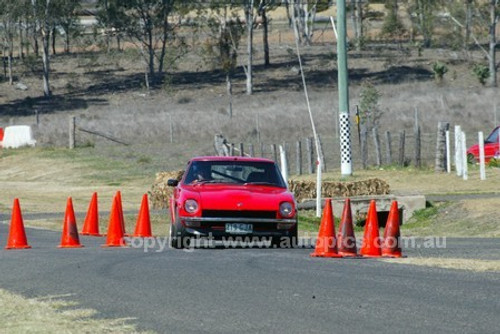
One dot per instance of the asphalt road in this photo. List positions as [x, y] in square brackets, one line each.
[259, 290]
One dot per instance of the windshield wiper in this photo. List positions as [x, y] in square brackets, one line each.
[262, 183]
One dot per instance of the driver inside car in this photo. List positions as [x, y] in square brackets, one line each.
[202, 174]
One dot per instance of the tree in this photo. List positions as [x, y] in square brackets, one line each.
[9, 16]
[392, 27]
[357, 17]
[487, 15]
[44, 16]
[249, 8]
[492, 65]
[147, 23]
[423, 12]
[67, 20]
[304, 16]
[225, 31]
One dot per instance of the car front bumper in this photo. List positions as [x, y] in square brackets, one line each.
[215, 227]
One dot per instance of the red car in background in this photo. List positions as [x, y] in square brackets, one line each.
[232, 198]
[491, 148]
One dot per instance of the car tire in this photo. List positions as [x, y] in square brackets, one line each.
[290, 241]
[178, 242]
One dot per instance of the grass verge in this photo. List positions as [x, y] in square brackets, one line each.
[54, 315]
[474, 265]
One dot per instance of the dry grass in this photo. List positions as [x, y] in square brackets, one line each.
[54, 315]
[474, 265]
[424, 181]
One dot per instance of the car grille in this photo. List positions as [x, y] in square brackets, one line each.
[238, 214]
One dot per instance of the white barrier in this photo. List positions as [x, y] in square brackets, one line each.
[482, 168]
[458, 150]
[18, 136]
[463, 151]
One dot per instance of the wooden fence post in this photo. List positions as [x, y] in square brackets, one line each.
[388, 148]
[401, 160]
[310, 156]
[72, 130]
[275, 153]
[298, 157]
[261, 149]
[376, 141]
[441, 147]
[250, 150]
[171, 126]
[231, 150]
[364, 149]
[323, 166]
[37, 118]
[242, 152]
[418, 156]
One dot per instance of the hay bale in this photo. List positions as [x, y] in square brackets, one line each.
[307, 189]
[160, 191]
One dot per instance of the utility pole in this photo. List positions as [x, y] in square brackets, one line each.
[343, 83]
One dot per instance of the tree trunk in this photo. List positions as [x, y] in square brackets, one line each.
[53, 35]
[265, 37]
[249, 18]
[163, 45]
[295, 23]
[493, 44]
[288, 16]
[151, 52]
[36, 48]
[359, 18]
[468, 24]
[9, 61]
[46, 62]
[21, 41]
[307, 27]
[425, 22]
[229, 95]
[354, 20]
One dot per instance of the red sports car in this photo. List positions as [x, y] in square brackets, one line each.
[491, 148]
[232, 198]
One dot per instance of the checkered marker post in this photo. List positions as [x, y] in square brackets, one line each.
[345, 145]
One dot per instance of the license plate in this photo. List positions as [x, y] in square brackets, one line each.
[237, 228]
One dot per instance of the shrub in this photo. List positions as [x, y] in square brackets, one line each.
[482, 73]
[439, 70]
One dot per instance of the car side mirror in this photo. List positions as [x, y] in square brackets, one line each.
[172, 183]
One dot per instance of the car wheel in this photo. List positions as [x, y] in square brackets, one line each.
[178, 242]
[290, 241]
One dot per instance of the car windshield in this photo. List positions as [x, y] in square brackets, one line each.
[493, 137]
[239, 172]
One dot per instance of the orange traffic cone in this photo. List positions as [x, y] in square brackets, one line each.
[391, 245]
[115, 230]
[91, 224]
[17, 235]
[345, 238]
[69, 238]
[143, 226]
[326, 244]
[371, 239]
[120, 210]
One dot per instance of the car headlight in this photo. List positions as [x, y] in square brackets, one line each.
[286, 209]
[191, 206]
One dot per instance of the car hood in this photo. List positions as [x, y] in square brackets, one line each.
[249, 197]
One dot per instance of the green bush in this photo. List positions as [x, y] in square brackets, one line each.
[482, 73]
[439, 70]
